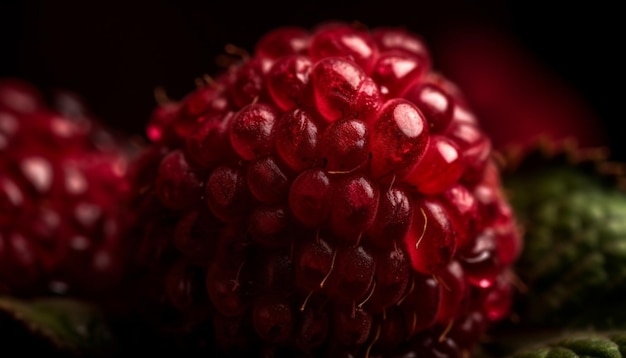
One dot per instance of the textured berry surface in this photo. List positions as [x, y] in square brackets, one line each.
[62, 188]
[334, 195]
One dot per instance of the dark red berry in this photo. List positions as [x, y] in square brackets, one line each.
[273, 318]
[351, 327]
[343, 40]
[288, 81]
[252, 130]
[399, 138]
[354, 206]
[267, 181]
[226, 193]
[342, 89]
[441, 166]
[431, 241]
[298, 134]
[395, 70]
[453, 286]
[177, 184]
[352, 275]
[313, 329]
[420, 303]
[246, 83]
[396, 38]
[344, 145]
[270, 225]
[209, 143]
[393, 219]
[281, 42]
[309, 197]
[349, 201]
[226, 288]
[391, 279]
[390, 331]
[196, 233]
[436, 104]
[314, 261]
[275, 271]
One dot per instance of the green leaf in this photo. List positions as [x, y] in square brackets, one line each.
[581, 345]
[573, 264]
[62, 327]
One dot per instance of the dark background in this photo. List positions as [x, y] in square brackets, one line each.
[114, 53]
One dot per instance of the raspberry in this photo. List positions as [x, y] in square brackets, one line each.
[339, 197]
[62, 188]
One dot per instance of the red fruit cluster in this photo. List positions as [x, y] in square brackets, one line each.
[330, 194]
[62, 185]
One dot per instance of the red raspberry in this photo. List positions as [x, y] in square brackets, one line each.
[335, 194]
[62, 189]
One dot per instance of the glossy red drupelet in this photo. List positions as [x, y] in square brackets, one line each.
[63, 184]
[332, 194]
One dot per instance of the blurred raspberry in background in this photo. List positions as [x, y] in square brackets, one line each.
[526, 68]
[518, 98]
